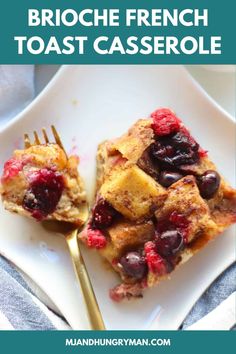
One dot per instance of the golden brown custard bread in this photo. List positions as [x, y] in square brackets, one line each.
[43, 183]
[159, 199]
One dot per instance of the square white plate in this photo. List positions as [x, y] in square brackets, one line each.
[89, 104]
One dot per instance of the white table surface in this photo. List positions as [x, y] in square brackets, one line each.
[217, 80]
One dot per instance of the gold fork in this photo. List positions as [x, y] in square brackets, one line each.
[94, 313]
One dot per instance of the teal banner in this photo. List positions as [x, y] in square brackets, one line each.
[61, 342]
[117, 32]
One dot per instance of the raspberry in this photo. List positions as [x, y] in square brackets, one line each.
[165, 122]
[178, 220]
[202, 152]
[12, 168]
[156, 263]
[116, 295]
[96, 239]
[181, 223]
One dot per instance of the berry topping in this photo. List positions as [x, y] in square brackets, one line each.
[134, 265]
[127, 291]
[179, 220]
[176, 150]
[96, 239]
[169, 243]
[156, 264]
[12, 167]
[208, 183]
[164, 122]
[202, 152]
[175, 221]
[166, 179]
[46, 187]
[103, 214]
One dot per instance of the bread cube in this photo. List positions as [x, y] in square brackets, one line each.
[184, 198]
[126, 235]
[132, 192]
[132, 144]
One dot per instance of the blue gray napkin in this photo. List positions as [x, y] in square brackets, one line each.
[20, 309]
[218, 291]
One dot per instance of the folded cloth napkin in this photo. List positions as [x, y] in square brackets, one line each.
[22, 304]
[218, 291]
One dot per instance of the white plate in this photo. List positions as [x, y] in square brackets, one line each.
[89, 104]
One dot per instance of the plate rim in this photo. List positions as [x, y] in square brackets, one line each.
[63, 70]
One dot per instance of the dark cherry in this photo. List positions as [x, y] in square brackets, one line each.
[169, 243]
[176, 150]
[184, 141]
[46, 187]
[208, 183]
[134, 265]
[103, 214]
[166, 178]
[148, 165]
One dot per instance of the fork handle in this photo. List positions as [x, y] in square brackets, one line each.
[94, 313]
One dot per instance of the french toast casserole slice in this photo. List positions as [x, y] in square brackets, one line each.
[43, 183]
[159, 200]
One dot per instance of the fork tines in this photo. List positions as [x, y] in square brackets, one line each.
[37, 141]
